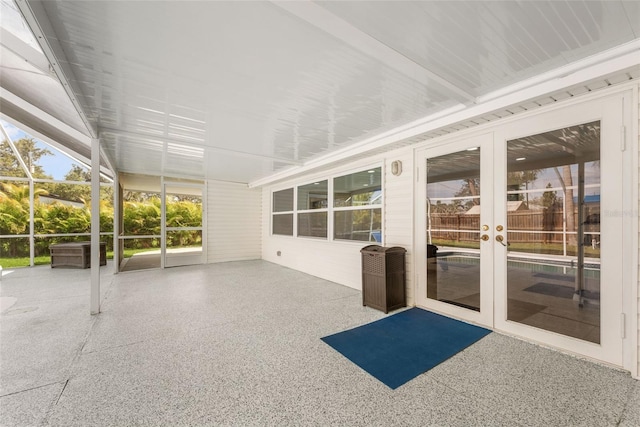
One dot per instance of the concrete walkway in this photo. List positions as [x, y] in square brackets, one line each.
[239, 344]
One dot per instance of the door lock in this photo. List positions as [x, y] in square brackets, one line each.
[499, 228]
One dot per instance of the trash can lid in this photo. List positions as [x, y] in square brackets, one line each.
[382, 249]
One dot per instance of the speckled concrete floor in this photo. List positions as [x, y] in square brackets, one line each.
[239, 344]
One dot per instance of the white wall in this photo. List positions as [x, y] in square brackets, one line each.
[233, 222]
[399, 211]
[340, 261]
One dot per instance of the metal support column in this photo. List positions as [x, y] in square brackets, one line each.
[32, 222]
[163, 223]
[95, 226]
[116, 222]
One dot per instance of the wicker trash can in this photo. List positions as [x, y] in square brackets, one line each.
[383, 277]
[432, 272]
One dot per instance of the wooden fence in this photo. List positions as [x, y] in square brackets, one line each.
[523, 227]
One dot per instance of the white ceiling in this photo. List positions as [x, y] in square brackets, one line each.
[240, 91]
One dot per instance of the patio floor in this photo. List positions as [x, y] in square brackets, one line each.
[142, 261]
[239, 344]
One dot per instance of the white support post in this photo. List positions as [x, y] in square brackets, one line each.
[95, 226]
[32, 230]
[163, 223]
[116, 222]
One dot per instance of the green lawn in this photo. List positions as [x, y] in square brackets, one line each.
[46, 259]
[23, 261]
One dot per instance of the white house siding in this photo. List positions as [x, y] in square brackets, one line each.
[340, 261]
[399, 211]
[233, 222]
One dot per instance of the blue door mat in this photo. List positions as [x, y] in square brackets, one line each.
[402, 346]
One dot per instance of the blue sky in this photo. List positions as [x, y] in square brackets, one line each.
[56, 165]
[546, 176]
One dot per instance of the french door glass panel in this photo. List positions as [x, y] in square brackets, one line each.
[560, 277]
[553, 223]
[453, 228]
[454, 255]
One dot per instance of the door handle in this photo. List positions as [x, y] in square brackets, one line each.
[500, 239]
[485, 237]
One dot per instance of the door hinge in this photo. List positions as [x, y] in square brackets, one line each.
[623, 138]
[623, 328]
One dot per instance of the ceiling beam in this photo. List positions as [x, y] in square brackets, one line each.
[335, 26]
[8, 98]
[24, 51]
[32, 110]
[106, 170]
[54, 53]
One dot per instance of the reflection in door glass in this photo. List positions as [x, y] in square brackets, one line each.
[453, 224]
[553, 223]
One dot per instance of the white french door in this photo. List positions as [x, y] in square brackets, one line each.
[516, 231]
[454, 255]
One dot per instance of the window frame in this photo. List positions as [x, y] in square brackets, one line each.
[368, 207]
[299, 211]
[330, 210]
[290, 212]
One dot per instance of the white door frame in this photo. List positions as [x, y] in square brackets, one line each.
[485, 316]
[614, 109]
[609, 111]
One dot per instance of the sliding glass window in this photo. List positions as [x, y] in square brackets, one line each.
[357, 206]
[352, 201]
[312, 209]
[282, 212]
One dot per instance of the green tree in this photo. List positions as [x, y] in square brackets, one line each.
[587, 138]
[184, 214]
[519, 180]
[445, 208]
[78, 173]
[142, 218]
[78, 192]
[14, 216]
[549, 198]
[75, 192]
[14, 208]
[59, 218]
[138, 196]
[470, 188]
[9, 164]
